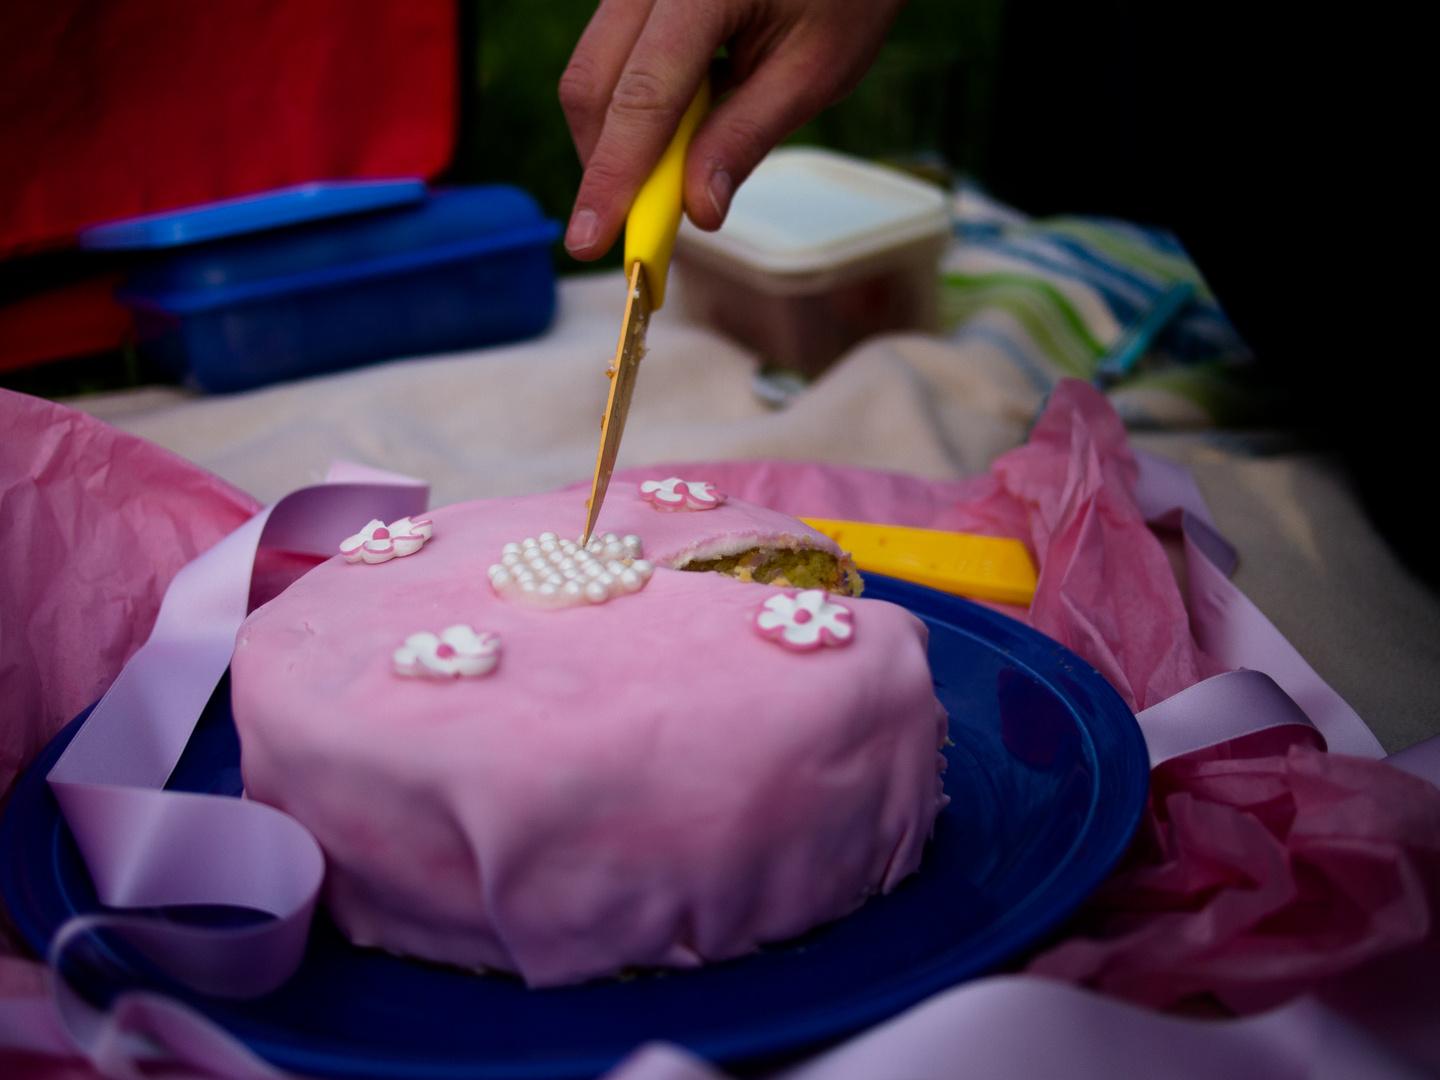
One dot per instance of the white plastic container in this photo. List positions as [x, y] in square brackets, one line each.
[819, 251]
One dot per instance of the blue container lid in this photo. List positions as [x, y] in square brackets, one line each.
[453, 224]
[251, 213]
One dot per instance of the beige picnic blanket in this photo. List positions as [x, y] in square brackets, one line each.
[526, 417]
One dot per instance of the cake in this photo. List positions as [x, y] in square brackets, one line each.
[568, 762]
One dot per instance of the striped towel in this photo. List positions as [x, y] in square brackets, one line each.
[1055, 293]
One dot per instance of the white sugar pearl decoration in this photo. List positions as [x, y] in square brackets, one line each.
[551, 572]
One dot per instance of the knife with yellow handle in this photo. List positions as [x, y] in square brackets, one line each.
[650, 232]
[983, 567]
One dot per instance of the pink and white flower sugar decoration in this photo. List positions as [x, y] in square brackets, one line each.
[548, 572]
[804, 620]
[378, 542]
[677, 494]
[456, 652]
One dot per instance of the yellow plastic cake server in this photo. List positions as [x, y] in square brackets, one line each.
[650, 230]
[983, 567]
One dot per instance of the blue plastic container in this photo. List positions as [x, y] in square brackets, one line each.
[251, 213]
[467, 267]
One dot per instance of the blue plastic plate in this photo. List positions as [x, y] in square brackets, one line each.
[251, 213]
[1047, 777]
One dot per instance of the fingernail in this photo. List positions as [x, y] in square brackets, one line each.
[721, 189]
[583, 227]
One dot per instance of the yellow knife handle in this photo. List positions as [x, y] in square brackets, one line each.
[985, 567]
[655, 215]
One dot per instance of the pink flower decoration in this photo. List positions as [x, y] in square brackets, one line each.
[804, 620]
[677, 494]
[378, 542]
[455, 652]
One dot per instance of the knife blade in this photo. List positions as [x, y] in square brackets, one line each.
[622, 386]
[650, 230]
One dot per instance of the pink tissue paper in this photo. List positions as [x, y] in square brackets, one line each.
[95, 523]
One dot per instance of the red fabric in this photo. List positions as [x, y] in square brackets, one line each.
[113, 109]
[69, 321]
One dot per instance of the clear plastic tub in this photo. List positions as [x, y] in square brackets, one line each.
[819, 251]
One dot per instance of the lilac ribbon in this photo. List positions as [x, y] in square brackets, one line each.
[1272, 687]
[1020, 1027]
[146, 847]
[1224, 707]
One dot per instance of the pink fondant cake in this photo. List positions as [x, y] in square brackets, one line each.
[693, 767]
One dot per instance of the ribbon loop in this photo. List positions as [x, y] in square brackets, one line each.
[1223, 707]
[146, 847]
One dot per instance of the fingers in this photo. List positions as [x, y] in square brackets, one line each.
[655, 83]
[595, 66]
[639, 63]
[788, 70]
[788, 89]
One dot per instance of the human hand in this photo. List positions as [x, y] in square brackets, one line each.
[639, 62]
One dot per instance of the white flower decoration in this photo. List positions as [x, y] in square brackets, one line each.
[804, 620]
[378, 542]
[677, 494]
[552, 573]
[456, 652]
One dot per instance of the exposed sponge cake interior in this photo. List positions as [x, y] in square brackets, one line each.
[803, 568]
